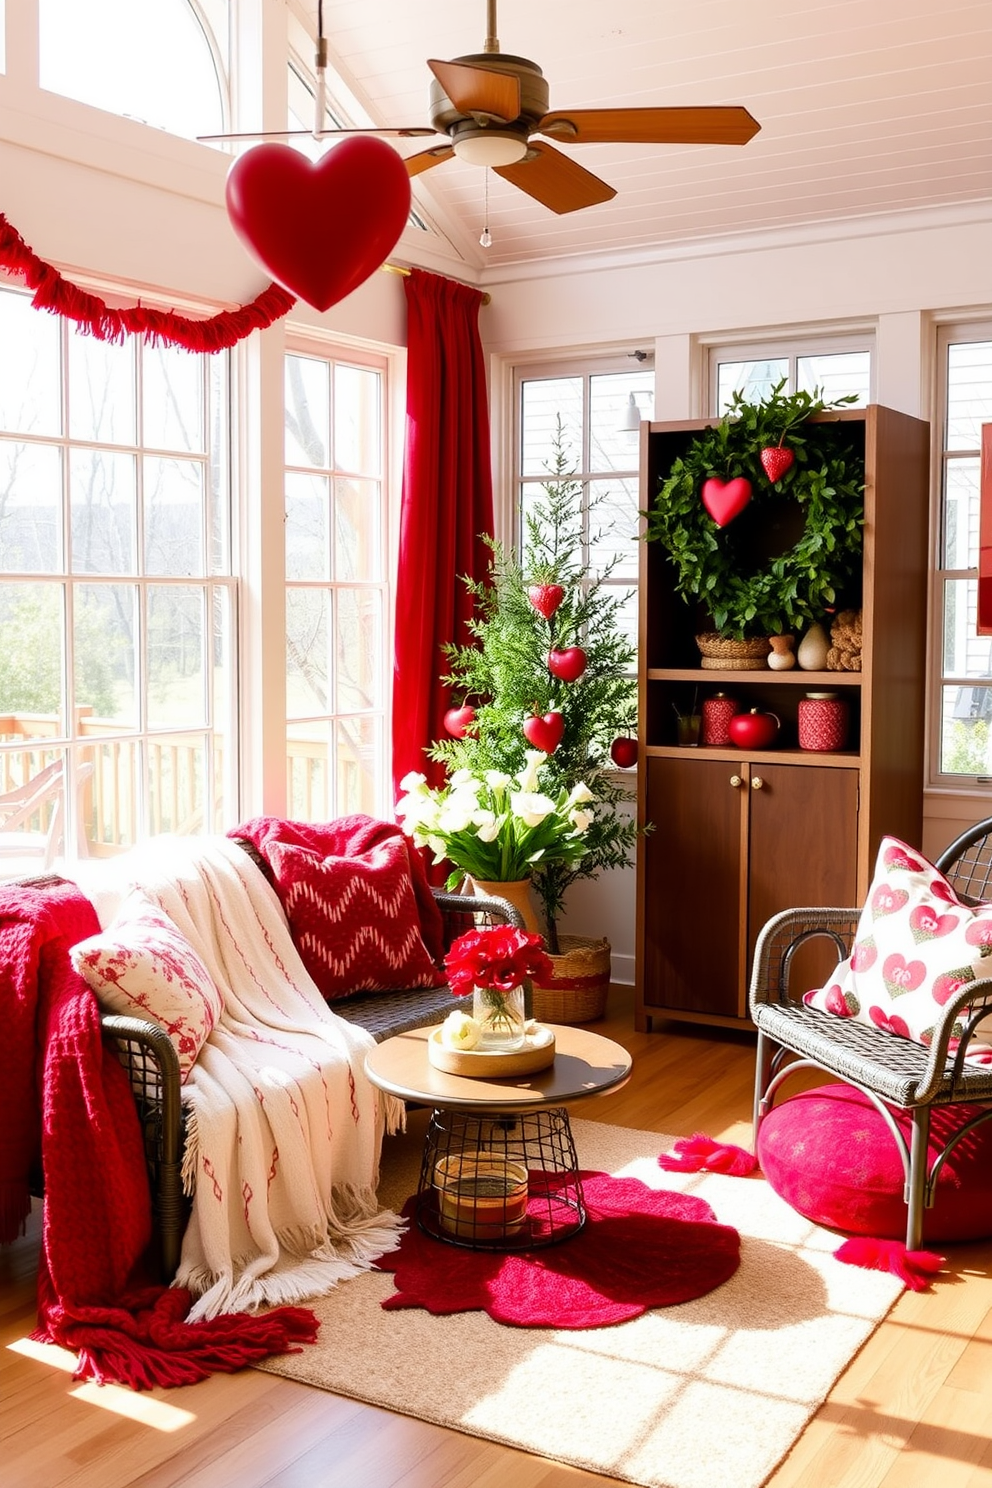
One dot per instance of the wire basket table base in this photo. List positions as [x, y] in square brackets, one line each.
[500, 1182]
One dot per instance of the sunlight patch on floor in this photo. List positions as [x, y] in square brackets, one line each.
[140, 1406]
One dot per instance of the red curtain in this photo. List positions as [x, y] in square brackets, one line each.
[447, 506]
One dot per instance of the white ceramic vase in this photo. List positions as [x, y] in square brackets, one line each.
[813, 648]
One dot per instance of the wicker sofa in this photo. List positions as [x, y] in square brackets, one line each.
[148, 1054]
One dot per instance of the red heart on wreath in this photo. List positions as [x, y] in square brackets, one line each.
[724, 500]
[320, 229]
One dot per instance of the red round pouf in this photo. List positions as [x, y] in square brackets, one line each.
[829, 1154]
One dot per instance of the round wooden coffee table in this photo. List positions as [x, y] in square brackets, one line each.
[499, 1169]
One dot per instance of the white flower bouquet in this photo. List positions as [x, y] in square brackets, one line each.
[497, 828]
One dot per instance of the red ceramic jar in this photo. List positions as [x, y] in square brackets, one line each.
[718, 710]
[823, 720]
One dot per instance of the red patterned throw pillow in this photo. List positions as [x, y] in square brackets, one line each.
[354, 918]
[916, 945]
[142, 966]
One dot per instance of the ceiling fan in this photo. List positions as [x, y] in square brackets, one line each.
[493, 109]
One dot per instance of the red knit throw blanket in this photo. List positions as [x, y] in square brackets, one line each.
[92, 1296]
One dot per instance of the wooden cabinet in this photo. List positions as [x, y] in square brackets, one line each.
[738, 836]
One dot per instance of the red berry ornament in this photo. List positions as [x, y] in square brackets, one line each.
[568, 664]
[459, 721]
[623, 752]
[545, 598]
[545, 733]
[776, 460]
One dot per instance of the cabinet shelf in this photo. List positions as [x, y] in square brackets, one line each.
[843, 759]
[811, 681]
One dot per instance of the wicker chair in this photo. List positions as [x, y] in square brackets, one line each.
[889, 1071]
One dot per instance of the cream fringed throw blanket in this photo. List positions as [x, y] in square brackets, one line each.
[284, 1129]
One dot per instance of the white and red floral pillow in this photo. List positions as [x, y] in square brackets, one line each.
[142, 966]
[916, 945]
[354, 918]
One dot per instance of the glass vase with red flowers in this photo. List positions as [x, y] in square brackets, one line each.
[494, 964]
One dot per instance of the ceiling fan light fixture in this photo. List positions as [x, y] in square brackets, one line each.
[490, 147]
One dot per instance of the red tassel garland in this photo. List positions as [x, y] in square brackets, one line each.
[94, 316]
[700, 1153]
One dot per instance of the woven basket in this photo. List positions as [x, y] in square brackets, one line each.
[578, 989]
[724, 654]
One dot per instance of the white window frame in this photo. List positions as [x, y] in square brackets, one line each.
[789, 348]
[338, 351]
[586, 368]
[221, 714]
[945, 783]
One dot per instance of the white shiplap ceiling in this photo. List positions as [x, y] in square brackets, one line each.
[865, 106]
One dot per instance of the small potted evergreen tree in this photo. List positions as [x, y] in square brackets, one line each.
[549, 672]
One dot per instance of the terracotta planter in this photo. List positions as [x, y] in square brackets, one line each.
[517, 892]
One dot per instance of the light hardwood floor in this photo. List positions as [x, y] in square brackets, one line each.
[913, 1410]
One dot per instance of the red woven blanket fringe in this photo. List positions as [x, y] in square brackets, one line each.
[93, 1297]
[159, 327]
[700, 1153]
[915, 1268]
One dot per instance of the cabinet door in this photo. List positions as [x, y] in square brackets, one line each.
[691, 908]
[802, 849]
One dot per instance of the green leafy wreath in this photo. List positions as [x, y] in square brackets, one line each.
[826, 478]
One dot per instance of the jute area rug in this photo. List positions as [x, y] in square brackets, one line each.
[710, 1391]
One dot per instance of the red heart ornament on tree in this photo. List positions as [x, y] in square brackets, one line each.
[459, 721]
[568, 664]
[776, 460]
[725, 500]
[319, 229]
[544, 733]
[545, 598]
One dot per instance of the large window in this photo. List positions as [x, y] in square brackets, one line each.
[964, 690]
[598, 408]
[832, 370]
[336, 601]
[159, 62]
[117, 606]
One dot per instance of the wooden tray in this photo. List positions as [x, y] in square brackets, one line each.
[537, 1053]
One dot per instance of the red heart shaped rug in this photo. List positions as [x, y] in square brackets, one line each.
[640, 1248]
[724, 500]
[319, 229]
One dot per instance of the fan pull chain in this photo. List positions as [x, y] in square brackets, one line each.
[486, 237]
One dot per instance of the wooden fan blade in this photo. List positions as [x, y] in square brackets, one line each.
[479, 90]
[427, 159]
[721, 125]
[556, 181]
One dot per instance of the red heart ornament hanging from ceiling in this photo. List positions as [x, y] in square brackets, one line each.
[726, 500]
[319, 229]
